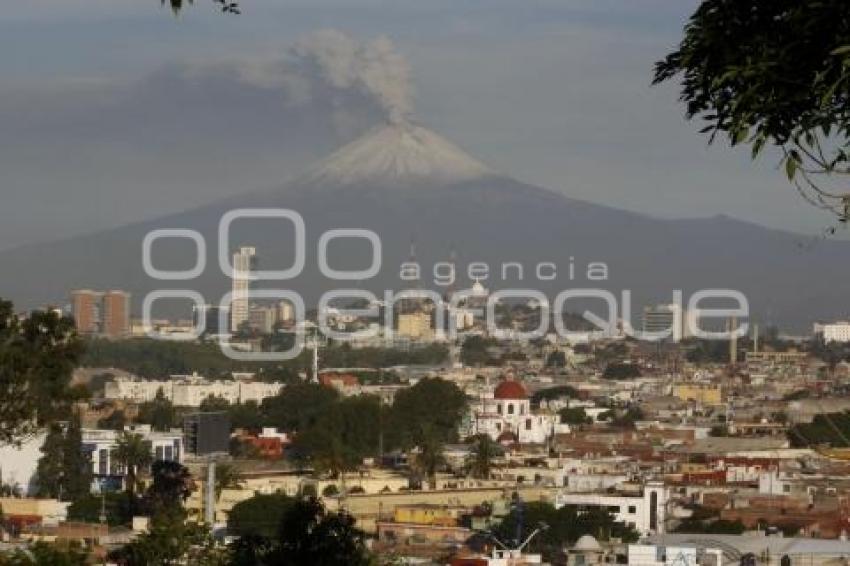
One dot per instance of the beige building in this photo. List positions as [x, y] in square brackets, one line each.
[49, 511]
[702, 393]
[415, 326]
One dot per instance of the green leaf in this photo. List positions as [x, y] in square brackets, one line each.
[758, 145]
[791, 165]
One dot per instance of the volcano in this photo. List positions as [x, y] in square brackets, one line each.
[406, 183]
[400, 154]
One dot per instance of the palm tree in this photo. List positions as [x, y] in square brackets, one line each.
[226, 476]
[481, 459]
[134, 454]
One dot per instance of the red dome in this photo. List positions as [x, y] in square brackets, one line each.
[510, 389]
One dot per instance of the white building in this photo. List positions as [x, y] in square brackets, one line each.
[834, 331]
[507, 417]
[713, 549]
[646, 511]
[99, 445]
[190, 390]
[656, 555]
[244, 262]
[136, 390]
[258, 390]
[18, 463]
[671, 321]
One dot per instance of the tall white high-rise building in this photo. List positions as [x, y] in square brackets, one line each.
[244, 262]
[679, 323]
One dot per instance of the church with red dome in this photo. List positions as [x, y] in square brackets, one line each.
[506, 416]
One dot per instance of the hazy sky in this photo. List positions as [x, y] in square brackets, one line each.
[113, 111]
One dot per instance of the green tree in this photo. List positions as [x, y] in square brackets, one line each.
[716, 527]
[133, 453]
[627, 418]
[259, 517]
[171, 485]
[49, 471]
[831, 429]
[64, 470]
[309, 534]
[159, 413]
[574, 416]
[116, 420]
[432, 404]
[552, 393]
[171, 541]
[298, 406]
[773, 72]
[76, 466]
[342, 437]
[617, 370]
[429, 457]
[246, 416]
[46, 554]
[484, 450]
[88, 509]
[475, 351]
[37, 356]
[556, 359]
[564, 526]
[214, 404]
[227, 476]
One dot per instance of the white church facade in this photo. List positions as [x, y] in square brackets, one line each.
[506, 416]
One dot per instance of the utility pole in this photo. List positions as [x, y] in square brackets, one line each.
[316, 360]
[209, 503]
[102, 516]
[732, 327]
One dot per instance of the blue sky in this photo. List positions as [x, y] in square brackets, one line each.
[553, 92]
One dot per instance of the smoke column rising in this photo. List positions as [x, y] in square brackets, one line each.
[375, 69]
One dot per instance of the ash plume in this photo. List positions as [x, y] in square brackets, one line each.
[374, 69]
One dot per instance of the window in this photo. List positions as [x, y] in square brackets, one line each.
[786, 488]
[103, 461]
[632, 509]
[499, 408]
[527, 424]
[653, 510]
[158, 453]
[510, 408]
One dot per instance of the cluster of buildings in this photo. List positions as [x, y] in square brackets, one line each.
[101, 313]
[697, 458]
[702, 455]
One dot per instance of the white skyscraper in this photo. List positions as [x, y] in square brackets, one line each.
[680, 323]
[244, 262]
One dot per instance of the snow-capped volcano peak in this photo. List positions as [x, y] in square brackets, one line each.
[399, 153]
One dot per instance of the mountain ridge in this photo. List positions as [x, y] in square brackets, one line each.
[471, 210]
